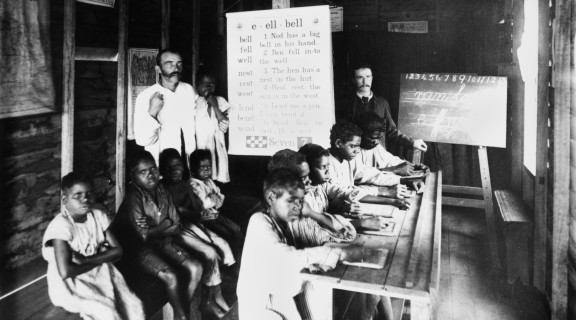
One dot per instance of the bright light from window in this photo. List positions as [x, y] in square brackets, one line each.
[528, 60]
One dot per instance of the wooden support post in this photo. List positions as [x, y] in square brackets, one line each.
[561, 81]
[489, 208]
[195, 39]
[541, 178]
[221, 29]
[121, 99]
[165, 30]
[68, 87]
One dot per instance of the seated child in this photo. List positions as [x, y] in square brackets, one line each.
[80, 250]
[208, 244]
[150, 227]
[332, 197]
[270, 281]
[347, 170]
[209, 193]
[211, 124]
[373, 153]
[324, 226]
[325, 194]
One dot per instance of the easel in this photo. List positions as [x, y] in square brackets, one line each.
[460, 200]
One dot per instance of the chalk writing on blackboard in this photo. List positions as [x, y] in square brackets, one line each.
[454, 108]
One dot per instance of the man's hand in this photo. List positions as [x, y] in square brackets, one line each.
[156, 104]
[398, 191]
[420, 145]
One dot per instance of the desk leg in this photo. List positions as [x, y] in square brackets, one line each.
[420, 311]
[321, 300]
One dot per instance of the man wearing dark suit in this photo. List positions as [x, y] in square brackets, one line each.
[365, 100]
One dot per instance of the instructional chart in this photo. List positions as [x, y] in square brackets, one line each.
[280, 79]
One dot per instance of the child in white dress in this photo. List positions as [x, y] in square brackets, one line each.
[80, 250]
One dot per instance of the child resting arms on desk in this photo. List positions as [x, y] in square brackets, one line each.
[373, 154]
[347, 170]
[269, 285]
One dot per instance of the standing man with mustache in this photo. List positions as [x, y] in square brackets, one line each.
[164, 113]
[366, 101]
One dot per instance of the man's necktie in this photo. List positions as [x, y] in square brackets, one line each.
[365, 100]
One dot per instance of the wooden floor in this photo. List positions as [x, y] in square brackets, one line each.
[468, 290]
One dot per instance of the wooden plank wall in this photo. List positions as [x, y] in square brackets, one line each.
[561, 81]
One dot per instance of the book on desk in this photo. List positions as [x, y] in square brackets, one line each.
[373, 258]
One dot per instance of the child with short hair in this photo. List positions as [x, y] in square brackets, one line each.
[212, 199]
[325, 195]
[347, 170]
[212, 248]
[373, 153]
[270, 282]
[80, 249]
[328, 194]
[150, 226]
[315, 220]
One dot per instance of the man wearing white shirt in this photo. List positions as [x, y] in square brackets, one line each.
[164, 112]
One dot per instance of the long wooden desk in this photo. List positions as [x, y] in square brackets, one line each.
[412, 268]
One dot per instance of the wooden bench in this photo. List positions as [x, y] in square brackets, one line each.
[516, 227]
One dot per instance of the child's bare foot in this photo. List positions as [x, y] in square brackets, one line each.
[221, 303]
[213, 308]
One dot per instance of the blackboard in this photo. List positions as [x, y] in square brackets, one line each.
[453, 108]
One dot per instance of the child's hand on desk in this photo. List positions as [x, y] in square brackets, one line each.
[398, 191]
[374, 223]
[357, 209]
[402, 204]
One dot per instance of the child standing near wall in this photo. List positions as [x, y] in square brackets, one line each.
[80, 250]
[212, 248]
[211, 124]
[212, 199]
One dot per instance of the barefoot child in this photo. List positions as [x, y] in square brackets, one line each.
[80, 250]
[212, 199]
[150, 227]
[212, 248]
[270, 282]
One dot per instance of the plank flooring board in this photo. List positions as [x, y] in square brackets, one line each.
[26, 302]
[467, 288]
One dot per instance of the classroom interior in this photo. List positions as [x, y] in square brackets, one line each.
[529, 42]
